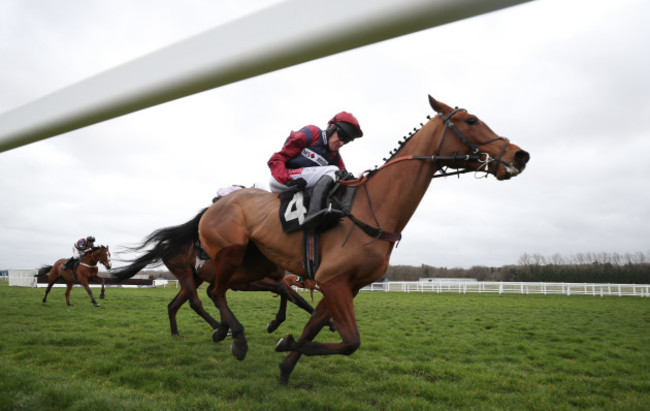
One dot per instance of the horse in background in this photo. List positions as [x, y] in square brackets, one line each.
[300, 282]
[356, 251]
[177, 248]
[84, 272]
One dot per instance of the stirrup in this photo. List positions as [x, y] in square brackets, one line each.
[324, 217]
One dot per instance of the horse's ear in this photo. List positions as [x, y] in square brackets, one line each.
[435, 105]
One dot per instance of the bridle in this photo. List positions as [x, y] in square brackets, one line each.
[93, 258]
[475, 155]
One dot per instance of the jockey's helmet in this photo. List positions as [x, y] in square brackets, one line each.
[347, 125]
[90, 239]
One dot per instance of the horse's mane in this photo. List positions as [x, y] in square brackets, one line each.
[405, 139]
[400, 145]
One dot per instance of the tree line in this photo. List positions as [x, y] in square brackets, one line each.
[615, 268]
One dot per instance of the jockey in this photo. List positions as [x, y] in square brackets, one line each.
[310, 158]
[79, 249]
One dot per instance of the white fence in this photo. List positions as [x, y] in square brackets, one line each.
[26, 278]
[22, 278]
[620, 290]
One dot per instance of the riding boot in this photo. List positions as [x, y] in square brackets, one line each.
[318, 215]
[66, 264]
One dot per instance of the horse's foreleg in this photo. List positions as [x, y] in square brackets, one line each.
[101, 296]
[84, 282]
[295, 298]
[280, 289]
[338, 297]
[280, 316]
[316, 322]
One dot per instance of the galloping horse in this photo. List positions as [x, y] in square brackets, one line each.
[86, 270]
[355, 252]
[176, 248]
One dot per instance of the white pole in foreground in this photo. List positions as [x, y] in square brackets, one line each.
[280, 36]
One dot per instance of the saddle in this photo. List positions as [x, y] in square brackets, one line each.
[293, 208]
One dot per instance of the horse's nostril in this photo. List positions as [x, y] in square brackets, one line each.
[522, 157]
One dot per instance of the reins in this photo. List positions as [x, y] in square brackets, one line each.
[92, 257]
[476, 155]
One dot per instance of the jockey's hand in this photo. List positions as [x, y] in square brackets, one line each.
[344, 175]
[298, 183]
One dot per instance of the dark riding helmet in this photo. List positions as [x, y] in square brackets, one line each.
[347, 125]
[90, 239]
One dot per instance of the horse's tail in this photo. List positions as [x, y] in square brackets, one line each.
[167, 243]
[45, 270]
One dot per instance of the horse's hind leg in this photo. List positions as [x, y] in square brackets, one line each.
[226, 262]
[47, 290]
[172, 308]
[51, 279]
[188, 291]
[68, 288]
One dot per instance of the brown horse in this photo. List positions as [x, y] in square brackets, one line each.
[85, 271]
[176, 248]
[355, 252]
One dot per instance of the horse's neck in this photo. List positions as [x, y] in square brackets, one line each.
[90, 259]
[396, 190]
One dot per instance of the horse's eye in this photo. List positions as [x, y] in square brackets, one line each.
[471, 121]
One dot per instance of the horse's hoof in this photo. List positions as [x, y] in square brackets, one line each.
[219, 334]
[273, 325]
[284, 344]
[97, 305]
[101, 297]
[239, 349]
[285, 372]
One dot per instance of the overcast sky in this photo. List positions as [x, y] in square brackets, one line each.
[566, 80]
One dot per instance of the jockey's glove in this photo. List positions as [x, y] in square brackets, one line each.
[298, 183]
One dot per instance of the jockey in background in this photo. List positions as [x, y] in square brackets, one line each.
[79, 249]
[310, 158]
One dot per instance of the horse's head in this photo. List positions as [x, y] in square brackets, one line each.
[103, 255]
[466, 135]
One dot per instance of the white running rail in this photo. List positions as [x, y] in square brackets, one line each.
[595, 289]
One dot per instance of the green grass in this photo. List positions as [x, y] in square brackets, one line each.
[418, 351]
